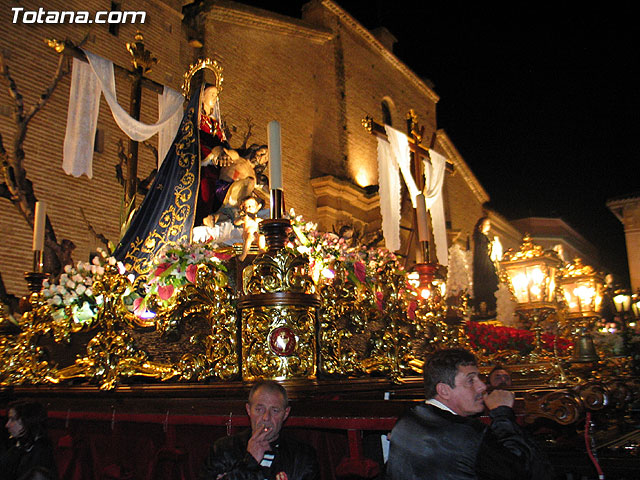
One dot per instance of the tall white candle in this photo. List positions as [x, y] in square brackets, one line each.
[39, 226]
[275, 155]
[421, 213]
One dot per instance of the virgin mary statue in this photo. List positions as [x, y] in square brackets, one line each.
[168, 211]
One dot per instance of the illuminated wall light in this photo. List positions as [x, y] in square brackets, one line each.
[363, 178]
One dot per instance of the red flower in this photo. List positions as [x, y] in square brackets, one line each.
[165, 292]
[411, 312]
[191, 272]
[222, 256]
[379, 298]
[161, 268]
[360, 270]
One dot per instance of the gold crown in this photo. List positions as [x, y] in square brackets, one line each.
[201, 64]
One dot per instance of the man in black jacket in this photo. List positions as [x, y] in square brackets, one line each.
[264, 452]
[439, 439]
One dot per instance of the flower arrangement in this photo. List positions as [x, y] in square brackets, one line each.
[331, 254]
[72, 294]
[177, 265]
[494, 338]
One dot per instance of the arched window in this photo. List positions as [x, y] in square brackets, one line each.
[386, 113]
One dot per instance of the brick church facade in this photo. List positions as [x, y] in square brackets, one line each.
[319, 75]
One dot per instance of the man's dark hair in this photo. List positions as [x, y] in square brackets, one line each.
[496, 368]
[33, 416]
[442, 367]
[270, 386]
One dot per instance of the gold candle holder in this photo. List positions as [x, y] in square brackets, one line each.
[278, 311]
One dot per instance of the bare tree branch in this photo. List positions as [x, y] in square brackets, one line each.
[61, 71]
[104, 240]
[247, 135]
[17, 188]
[123, 158]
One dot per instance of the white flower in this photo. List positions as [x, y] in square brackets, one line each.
[70, 284]
[77, 278]
[55, 300]
[88, 292]
[112, 261]
[80, 289]
[131, 277]
[83, 313]
[95, 260]
[67, 268]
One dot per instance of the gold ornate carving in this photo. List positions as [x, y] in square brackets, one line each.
[416, 132]
[210, 298]
[140, 56]
[594, 395]
[342, 315]
[278, 342]
[21, 359]
[111, 353]
[280, 271]
[561, 406]
[367, 123]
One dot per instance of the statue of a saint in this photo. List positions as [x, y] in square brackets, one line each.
[485, 278]
[193, 181]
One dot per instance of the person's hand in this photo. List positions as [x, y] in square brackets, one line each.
[232, 154]
[499, 398]
[258, 443]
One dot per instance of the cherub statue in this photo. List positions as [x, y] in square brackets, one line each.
[250, 222]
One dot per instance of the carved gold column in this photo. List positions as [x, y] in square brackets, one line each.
[278, 311]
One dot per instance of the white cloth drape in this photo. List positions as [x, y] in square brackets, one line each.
[402, 157]
[394, 157]
[389, 191]
[168, 102]
[433, 182]
[135, 129]
[84, 103]
[82, 119]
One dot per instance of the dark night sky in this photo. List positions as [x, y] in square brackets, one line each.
[541, 101]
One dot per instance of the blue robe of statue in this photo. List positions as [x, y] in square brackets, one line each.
[167, 213]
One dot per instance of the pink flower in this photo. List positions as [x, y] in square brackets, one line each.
[191, 272]
[165, 292]
[360, 271]
[161, 268]
[411, 311]
[222, 256]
